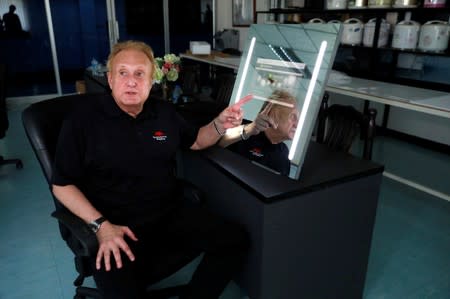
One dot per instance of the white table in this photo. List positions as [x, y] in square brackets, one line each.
[412, 98]
[407, 97]
[215, 58]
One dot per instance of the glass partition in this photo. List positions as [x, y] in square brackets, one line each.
[292, 59]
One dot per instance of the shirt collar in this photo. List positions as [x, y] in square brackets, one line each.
[112, 109]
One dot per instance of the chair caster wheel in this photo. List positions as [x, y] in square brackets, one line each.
[19, 165]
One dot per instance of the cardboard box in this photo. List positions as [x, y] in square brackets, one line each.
[80, 86]
[200, 48]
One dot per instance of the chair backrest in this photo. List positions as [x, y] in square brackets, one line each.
[42, 122]
[190, 79]
[339, 125]
[224, 89]
[4, 124]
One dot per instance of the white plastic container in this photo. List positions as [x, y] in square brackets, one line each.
[336, 4]
[369, 32]
[295, 3]
[352, 32]
[200, 48]
[405, 3]
[334, 22]
[406, 35]
[434, 36]
[434, 3]
[356, 4]
[316, 21]
[380, 3]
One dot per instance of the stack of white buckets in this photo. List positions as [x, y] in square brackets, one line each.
[433, 36]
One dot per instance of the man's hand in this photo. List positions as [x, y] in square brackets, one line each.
[111, 241]
[230, 117]
[261, 123]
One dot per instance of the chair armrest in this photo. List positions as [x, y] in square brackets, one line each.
[192, 195]
[83, 240]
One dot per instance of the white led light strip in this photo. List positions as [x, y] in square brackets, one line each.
[245, 70]
[307, 102]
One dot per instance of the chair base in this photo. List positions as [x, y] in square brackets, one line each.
[163, 293]
[85, 292]
[18, 162]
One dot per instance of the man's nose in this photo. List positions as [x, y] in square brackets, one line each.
[131, 81]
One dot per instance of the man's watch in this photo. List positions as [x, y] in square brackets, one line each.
[244, 135]
[95, 225]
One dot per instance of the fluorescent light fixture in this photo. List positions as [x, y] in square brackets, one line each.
[245, 70]
[289, 105]
[307, 101]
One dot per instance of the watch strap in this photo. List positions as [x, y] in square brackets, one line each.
[244, 135]
[95, 225]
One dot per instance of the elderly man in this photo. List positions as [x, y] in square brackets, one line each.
[114, 168]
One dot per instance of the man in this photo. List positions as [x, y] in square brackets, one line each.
[263, 139]
[12, 21]
[114, 169]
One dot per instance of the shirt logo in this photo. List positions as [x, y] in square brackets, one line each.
[159, 136]
[257, 152]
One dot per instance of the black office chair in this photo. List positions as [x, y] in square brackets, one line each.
[201, 110]
[42, 122]
[339, 125]
[190, 82]
[4, 123]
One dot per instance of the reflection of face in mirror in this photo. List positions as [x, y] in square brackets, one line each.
[285, 117]
[262, 140]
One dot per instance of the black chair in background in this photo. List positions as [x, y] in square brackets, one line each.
[190, 82]
[200, 109]
[42, 122]
[4, 123]
[339, 125]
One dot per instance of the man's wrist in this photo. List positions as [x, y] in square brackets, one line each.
[221, 133]
[244, 134]
[96, 224]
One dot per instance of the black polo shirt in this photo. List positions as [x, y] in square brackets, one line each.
[123, 165]
[258, 148]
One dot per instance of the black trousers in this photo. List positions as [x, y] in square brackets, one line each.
[224, 246]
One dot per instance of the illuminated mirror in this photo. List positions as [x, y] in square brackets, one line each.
[284, 60]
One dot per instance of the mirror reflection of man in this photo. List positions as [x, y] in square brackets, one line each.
[263, 139]
[11, 21]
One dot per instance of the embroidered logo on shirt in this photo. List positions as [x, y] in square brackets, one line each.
[159, 136]
[257, 152]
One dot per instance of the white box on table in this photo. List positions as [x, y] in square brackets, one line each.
[200, 48]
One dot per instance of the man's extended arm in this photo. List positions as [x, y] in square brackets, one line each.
[209, 134]
[261, 123]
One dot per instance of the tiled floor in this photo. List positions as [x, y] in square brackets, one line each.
[410, 255]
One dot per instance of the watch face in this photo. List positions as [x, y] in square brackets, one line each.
[94, 227]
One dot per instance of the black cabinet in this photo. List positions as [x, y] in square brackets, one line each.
[407, 67]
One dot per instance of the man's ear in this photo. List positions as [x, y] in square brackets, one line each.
[109, 76]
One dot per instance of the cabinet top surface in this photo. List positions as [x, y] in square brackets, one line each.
[419, 99]
[321, 169]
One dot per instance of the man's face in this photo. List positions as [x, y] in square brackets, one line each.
[288, 126]
[130, 79]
